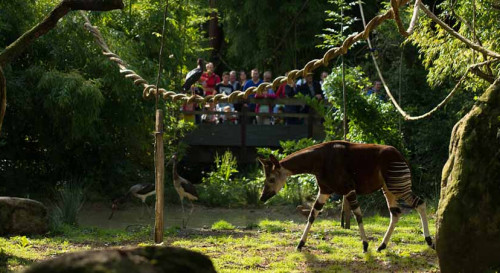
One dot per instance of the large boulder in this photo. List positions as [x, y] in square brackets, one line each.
[152, 259]
[21, 216]
[468, 222]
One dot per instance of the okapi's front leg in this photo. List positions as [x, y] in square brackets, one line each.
[318, 205]
[353, 203]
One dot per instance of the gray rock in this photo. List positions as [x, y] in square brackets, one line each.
[151, 259]
[21, 216]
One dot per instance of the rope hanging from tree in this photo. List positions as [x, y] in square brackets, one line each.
[407, 33]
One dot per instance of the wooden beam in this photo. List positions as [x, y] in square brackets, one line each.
[160, 174]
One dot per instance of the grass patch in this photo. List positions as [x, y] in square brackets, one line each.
[222, 225]
[270, 248]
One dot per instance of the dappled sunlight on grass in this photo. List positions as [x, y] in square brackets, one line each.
[268, 246]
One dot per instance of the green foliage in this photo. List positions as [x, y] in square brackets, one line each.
[70, 197]
[271, 226]
[342, 23]
[445, 56]
[72, 114]
[275, 35]
[219, 187]
[371, 120]
[222, 225]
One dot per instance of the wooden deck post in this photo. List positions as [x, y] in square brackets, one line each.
[160, 174]
[244, 121]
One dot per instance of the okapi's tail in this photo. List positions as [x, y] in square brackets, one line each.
[398, 181]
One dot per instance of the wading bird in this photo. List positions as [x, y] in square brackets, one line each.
[184, 188]
[194, 75]
[141, 191]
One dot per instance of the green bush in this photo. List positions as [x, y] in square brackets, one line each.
[222, 225]
[70, 198]
[219, 188]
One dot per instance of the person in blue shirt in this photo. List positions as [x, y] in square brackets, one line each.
[376, 90]
[254, 81]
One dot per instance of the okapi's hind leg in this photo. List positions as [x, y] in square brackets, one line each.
[318, 205]
[420, 207]
[353, 203]
[395, 214]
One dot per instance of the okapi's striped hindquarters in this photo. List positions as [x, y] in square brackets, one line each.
[349, 169]
[397, 186]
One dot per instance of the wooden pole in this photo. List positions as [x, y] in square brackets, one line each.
[345, 215]
[160, 174]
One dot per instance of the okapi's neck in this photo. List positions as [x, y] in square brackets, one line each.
[300, 162]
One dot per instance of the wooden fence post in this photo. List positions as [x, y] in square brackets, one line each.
[160, 174]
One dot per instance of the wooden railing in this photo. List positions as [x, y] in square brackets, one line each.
[245, 134]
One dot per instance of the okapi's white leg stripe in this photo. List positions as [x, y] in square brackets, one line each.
[322, 198]
[362, 233]
[392, 225]
[423, 217]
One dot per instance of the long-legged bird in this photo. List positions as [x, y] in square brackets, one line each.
[184, 188]
[141, 191]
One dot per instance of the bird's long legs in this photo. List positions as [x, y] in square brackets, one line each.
[190, 212]
[182, 205]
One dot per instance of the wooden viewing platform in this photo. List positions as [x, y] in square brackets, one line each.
[243, 138]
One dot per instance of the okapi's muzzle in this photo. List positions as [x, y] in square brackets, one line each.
[267, 195]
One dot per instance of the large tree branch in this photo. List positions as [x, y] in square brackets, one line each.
[451, 31]
[18, 46]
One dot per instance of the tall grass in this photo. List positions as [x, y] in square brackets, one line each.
[69, 199]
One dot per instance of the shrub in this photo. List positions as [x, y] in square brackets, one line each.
[69, 201]
[222, 225]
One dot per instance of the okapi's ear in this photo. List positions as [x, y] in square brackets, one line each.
[266, 163]
[275, 161]
[263, 161]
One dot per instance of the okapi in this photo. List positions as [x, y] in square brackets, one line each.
[349, 169]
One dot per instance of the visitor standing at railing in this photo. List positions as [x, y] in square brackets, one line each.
[225, 88]
[310, 88]
[236, 86]
[265, 108]
[255, 81]
[210, 79]
[291, 91]
[280, 93]
[243, 78]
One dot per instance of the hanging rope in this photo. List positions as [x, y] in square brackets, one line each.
[396, 104]
[161, 53]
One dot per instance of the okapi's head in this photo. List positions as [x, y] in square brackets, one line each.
[275, 177]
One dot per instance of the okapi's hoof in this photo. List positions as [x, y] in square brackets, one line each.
[365, 246]
[429, 242]
[382, 247]
[301, 244]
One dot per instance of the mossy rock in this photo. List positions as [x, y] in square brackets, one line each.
[468, 223]
[21, 216]
[152, 259]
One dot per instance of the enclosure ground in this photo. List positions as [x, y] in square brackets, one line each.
[264, 245]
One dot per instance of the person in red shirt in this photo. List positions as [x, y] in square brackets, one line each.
[210, 79]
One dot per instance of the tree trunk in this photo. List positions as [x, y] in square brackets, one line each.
[18, 46]
[468, 216]
[3, 97]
